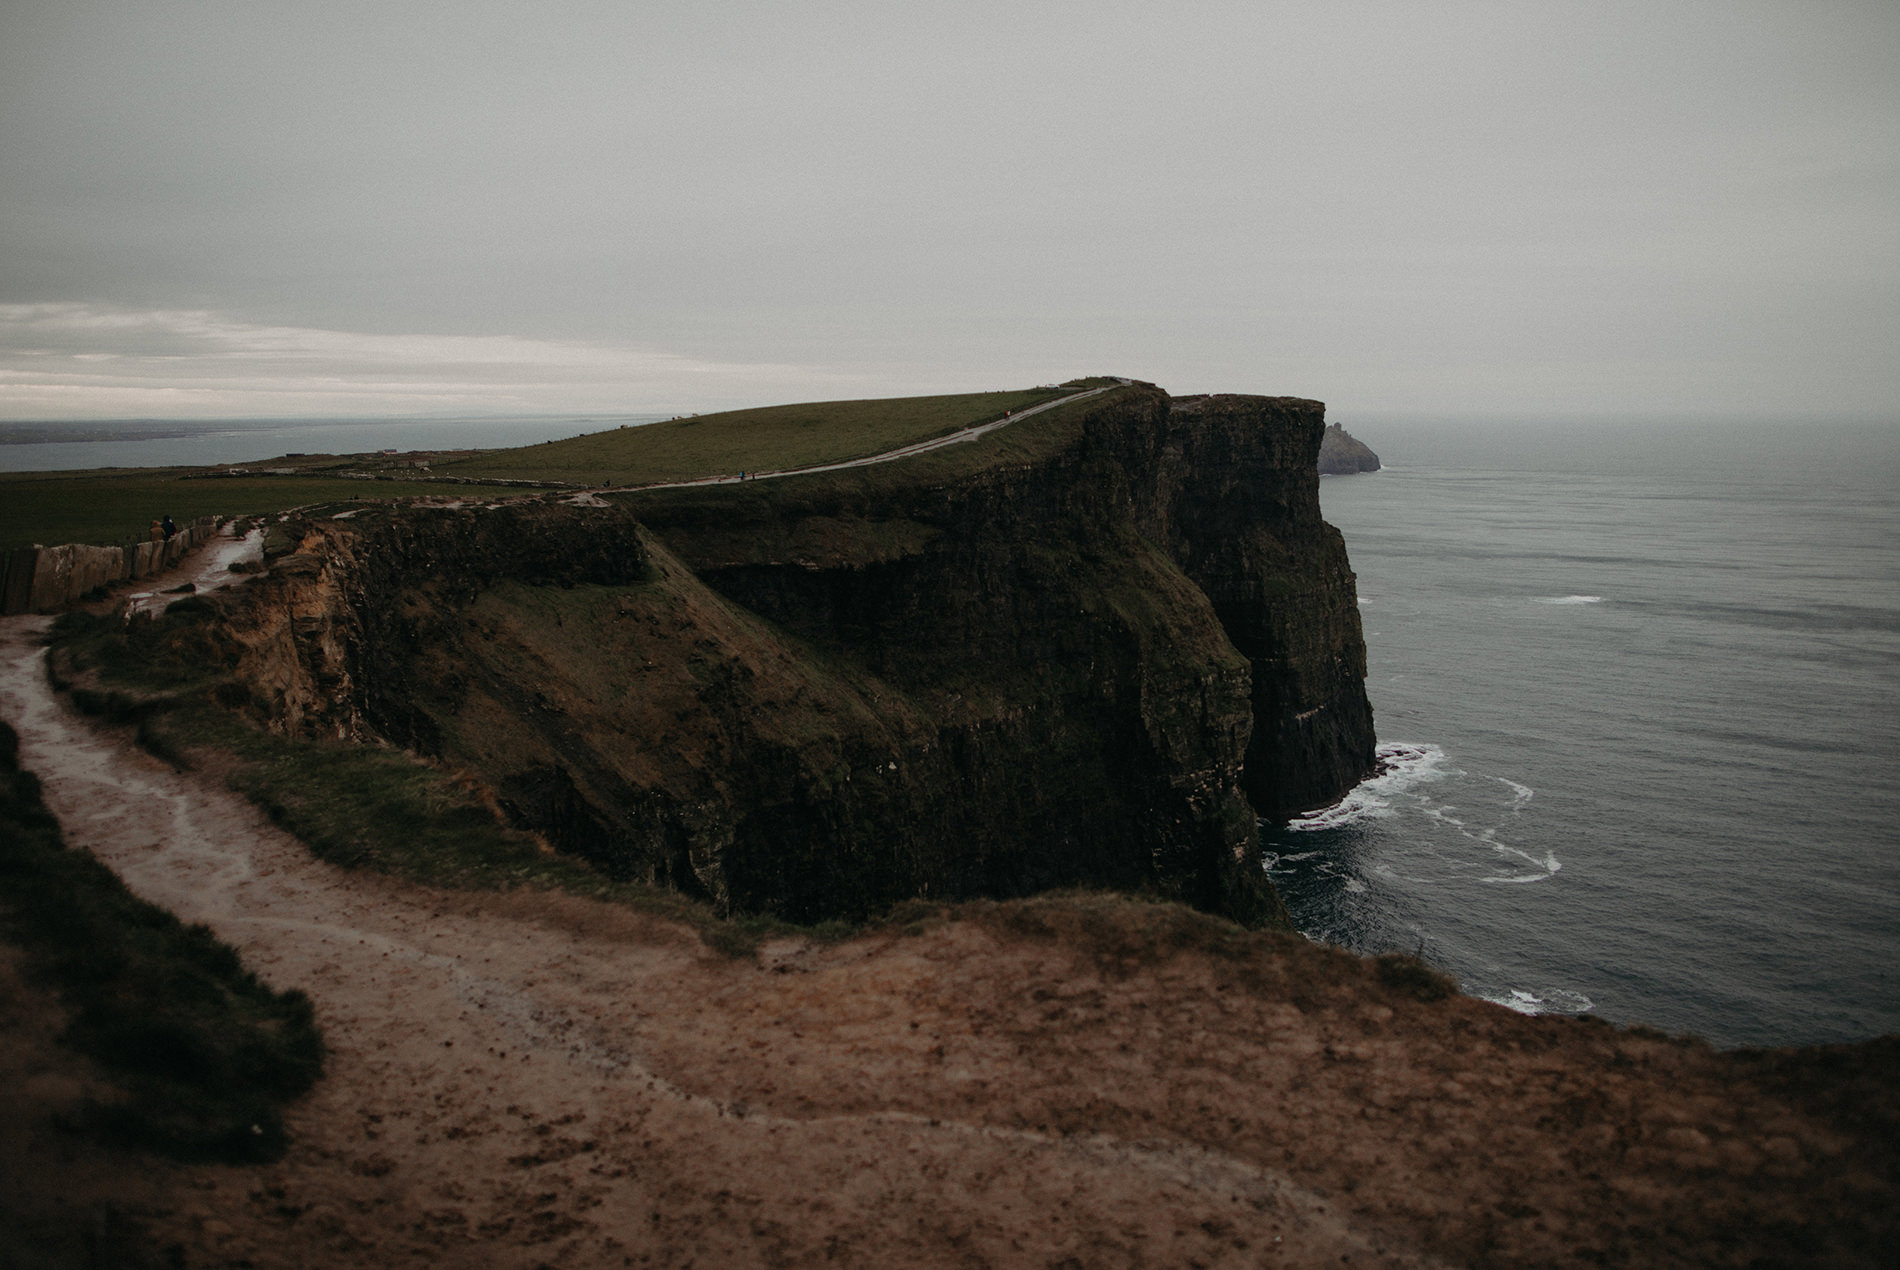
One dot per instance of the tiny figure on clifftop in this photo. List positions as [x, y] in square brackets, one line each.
[167, 525]
[156, 533]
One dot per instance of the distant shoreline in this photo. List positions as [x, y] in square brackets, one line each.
[85, 445]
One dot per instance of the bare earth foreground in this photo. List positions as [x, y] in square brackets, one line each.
[528, 1080]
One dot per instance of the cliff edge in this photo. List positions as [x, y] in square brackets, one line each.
[1089, 649]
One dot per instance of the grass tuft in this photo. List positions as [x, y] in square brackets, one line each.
[1408, 976]
[1125, 934]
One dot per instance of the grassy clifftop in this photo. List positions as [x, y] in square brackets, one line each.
[112, 507]
[763, 439]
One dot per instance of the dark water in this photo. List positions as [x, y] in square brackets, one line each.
[197, 442]
[1641, 690]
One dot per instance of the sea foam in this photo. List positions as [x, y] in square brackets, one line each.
[1554, 1001]
[1403, 767]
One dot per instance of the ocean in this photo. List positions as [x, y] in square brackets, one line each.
[53, 447]
[1637, 689]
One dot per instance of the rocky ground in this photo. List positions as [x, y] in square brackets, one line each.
[536, 1080]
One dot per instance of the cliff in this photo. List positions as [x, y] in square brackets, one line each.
[1342, 454]
[1085, 651]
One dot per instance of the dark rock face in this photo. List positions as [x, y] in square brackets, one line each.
[1243, 517]
[1086, 661]
[1342, 454]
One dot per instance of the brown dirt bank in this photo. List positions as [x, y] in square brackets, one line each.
[526, 1080]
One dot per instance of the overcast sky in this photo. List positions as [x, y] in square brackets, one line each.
[1406, 209]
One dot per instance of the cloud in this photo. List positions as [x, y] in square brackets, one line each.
[1450, 208]
[78, 360]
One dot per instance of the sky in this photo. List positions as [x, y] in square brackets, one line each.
[1522, 210]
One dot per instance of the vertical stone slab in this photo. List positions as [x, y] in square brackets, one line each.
[16, 592]
[52, 575]
[94, 567]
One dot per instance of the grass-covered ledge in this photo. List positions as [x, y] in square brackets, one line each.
[202, 1054]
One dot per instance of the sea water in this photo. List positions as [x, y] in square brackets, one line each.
[201, 442]
[1638, 702]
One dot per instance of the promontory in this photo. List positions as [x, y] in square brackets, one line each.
[1089, 647]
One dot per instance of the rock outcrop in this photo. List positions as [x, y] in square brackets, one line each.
[1342, 454]
[1085, 651]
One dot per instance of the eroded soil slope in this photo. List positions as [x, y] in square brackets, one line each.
[530, 1080]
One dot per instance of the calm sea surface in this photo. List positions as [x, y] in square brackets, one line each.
[1639, 689]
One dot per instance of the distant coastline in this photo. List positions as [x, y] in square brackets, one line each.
[79, 445]
[88, 433]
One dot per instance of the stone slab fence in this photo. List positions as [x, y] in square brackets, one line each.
[44, 579]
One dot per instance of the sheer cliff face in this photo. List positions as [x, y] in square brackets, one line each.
[1084, 656]
[1240, 511]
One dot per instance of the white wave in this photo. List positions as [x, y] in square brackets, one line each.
[1549, 864]
[1402, 767]
[1520, 794]
[1569, 599]
[1357, 806]
[1554, 1001]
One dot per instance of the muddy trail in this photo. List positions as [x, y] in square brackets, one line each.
[529, 1079]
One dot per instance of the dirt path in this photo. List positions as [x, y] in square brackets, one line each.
[205, 569]
[532, 1080]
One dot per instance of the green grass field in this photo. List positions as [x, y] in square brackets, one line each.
[765, 439]
[50, 508]
[1030, 442]
[110, 508]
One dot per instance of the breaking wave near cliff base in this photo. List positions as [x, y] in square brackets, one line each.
[1384, 868]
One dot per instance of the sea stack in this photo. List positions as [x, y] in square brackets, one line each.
[1342, 454]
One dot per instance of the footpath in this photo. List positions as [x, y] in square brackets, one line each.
[960, 437]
